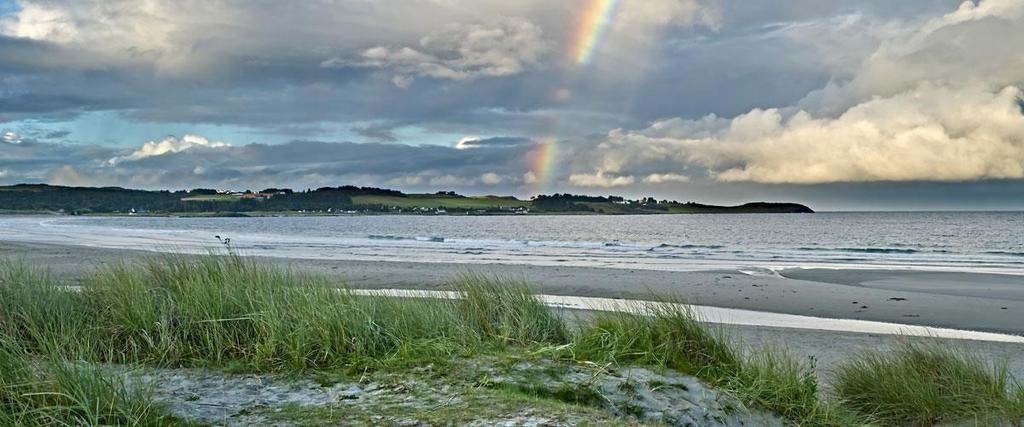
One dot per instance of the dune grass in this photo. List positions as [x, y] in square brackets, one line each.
[671, 335]
[231, 311]
[924, 384]
[197, 311]
[51, 392]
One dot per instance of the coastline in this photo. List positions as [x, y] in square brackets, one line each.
[896, 297]
[793, 292]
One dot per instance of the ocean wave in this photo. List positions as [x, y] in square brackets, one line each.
[671, 246]
[862, 250]
[1009, 253]
[418, 238]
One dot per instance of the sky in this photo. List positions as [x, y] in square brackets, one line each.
[866, 105]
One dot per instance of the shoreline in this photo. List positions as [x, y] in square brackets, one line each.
[898, 297]
[723, 289]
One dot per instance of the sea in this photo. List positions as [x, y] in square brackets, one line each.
[984, 242]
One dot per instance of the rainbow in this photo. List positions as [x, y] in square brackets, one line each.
[542, 163]
[594, 23]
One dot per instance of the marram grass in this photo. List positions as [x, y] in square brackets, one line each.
[176, 310]
[185, 310]
[53, 392]
[924, 384]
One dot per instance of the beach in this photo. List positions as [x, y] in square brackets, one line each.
[967, 301]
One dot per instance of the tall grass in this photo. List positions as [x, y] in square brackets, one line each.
[228, 310]
[671, 335]
[38, 312]
[186, 310]
[506, 309]
[925, 384]
[61, 393]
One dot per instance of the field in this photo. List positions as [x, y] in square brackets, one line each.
[212, 198]
[496, 354]
[435, 201]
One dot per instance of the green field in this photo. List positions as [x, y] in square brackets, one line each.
[212, 198]
[434, 201]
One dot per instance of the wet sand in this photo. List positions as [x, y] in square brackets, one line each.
[997, 286]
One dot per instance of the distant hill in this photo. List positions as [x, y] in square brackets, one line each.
[344, 199]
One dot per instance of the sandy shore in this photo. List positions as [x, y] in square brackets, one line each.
[992, 303]
[982, 302]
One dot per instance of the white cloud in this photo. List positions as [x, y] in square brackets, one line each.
[467, 142]
[406, 180]
[459, 52]
[4, 173]
[10, 138]
[40, 22]
[69, 175]
[200, 38]
[599, 179]
[653, 14]
[663, 178]
[941, 134]
[168, 145]
[452, 180]
[491, 178]
[941, 102]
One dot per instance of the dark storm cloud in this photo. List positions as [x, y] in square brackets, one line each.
[298, 164]
[262, 78]
[377, 132]
[500, 141]
[57, 134]
[272, 74]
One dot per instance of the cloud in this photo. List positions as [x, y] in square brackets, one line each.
[459, 52]
[377, 132]
[166, 146]
[916, 111]
[71, 176]
[499, 141]
[654, 14]
[491, 178]
[663, 178]
[872, 91]
[57, 134]
[10, 138]
[468, 66]
[599, 179]
[450, 180]
[193, 161]
[405, 181]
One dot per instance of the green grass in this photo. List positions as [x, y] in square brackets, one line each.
[199, 311]
[672, 336]
[230, 311]
[212, 198]
[434, 201]
[62, 393]
[925, 384]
